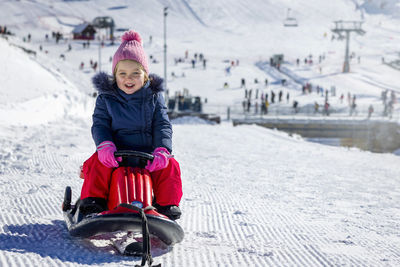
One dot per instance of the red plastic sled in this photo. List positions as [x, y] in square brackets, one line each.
[130, 199]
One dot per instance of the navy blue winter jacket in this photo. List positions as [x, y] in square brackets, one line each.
[137, 121]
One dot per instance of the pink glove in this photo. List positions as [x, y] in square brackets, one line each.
[105, 152]
[160, 161]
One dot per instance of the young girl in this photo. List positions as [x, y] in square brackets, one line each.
[130, 114]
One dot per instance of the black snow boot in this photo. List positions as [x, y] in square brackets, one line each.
[171, 211]
[92, 205]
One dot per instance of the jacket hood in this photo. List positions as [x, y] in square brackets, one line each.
[105, 84]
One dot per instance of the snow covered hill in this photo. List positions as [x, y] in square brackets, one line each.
[223, 31]
[252, 196]
[33, 93]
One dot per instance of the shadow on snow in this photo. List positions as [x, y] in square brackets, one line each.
[53, 240]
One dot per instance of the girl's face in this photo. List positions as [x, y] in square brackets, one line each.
[130, 76]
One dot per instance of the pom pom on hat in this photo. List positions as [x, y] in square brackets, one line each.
[131, 48]
[131, 36]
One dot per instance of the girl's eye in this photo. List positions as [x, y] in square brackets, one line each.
[136, 74]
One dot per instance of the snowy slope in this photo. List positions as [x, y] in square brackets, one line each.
[227, 30]
[252, 196]
[29, 88]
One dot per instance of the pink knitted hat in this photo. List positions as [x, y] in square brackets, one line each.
[131, 48]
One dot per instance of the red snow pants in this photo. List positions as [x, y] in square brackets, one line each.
[167, 184]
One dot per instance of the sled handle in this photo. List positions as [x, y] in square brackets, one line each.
[132, 153]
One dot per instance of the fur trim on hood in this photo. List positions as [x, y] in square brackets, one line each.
[104, 83]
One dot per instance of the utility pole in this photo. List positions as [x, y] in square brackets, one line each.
[347, 27]
[165, 54]
[100, 56]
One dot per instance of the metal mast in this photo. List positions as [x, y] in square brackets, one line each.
[165, 53]
[346, 27]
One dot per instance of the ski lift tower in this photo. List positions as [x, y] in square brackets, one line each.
[105, 23]
[343, 29]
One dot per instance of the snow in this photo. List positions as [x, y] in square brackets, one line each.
[252, 196]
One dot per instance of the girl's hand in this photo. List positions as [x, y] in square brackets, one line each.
[160, 161]
[105, 152]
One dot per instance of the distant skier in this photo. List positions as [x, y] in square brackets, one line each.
[242, 83]
[94, 66]
[326, 108]
[316, 107]
[353, 106]
[228, 70]
[266, 104]
[370, 111]
[295, 106]
[262, 106]
[393, 96]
